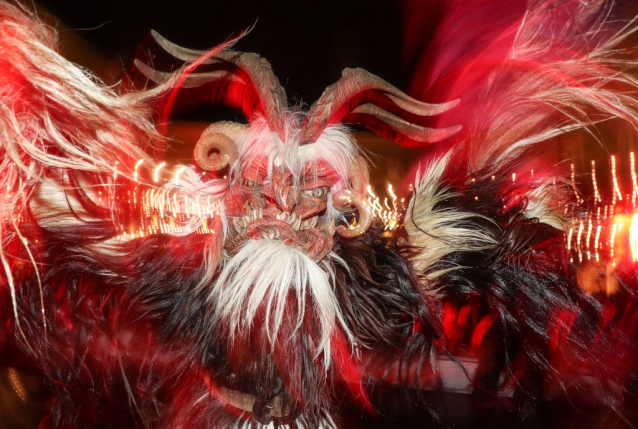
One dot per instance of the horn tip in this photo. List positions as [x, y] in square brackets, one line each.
[443, 133]
[140, 65]
[158, 37]
[147, 71]
[453, 103]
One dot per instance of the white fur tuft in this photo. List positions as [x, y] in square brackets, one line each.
[439, 232]
[265, 272]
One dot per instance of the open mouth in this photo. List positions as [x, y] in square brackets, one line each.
[313, 236]
[282, 219]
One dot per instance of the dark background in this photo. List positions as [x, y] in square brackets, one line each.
[307, 43]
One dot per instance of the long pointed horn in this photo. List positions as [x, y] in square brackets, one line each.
[361, 97]
[394, 128]
[179, 52]
[236, 79]
[193, 80]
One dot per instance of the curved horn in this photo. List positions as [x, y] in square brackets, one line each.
[237, 79]
[361, 97]
[217, 146]
[192, 81]
[388, 125]
[359, 177]
[346, 198]
[179, 52]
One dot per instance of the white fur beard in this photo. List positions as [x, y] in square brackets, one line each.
[266, 271]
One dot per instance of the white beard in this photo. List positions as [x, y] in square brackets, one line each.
[264, 272]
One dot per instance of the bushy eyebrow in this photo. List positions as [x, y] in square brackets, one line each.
[257, 167]
[314, 173]
[319, 172]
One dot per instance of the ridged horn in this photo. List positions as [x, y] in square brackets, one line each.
[361, 97]
[239, 80]
[359, 177]
[217, 146]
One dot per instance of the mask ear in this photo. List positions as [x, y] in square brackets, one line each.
[344, 199]
[217, 146]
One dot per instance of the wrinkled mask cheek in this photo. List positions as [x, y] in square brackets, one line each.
[279, 207]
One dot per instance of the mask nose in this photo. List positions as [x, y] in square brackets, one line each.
[283, 192]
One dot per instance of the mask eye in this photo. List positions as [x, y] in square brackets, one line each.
[319, 193]
[248, 183]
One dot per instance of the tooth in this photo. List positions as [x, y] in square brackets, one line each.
[253, 215]
[291, 218]
[309, 223]
[271, 234]
[297, 224]
[260, 214]
[283, 216]
[236, 225]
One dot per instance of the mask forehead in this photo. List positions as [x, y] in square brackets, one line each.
[318, 173]
[262, 151]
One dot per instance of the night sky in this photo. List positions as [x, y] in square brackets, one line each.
[307, 43]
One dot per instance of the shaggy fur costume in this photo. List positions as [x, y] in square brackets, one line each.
[189, 324]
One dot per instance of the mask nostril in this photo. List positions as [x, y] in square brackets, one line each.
[271, 201]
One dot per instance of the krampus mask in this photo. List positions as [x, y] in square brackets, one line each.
[280, 188]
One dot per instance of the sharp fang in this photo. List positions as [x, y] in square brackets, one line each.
[311, 223]
[291, 219]
[281, 216]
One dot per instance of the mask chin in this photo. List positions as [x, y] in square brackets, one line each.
[261, 278]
